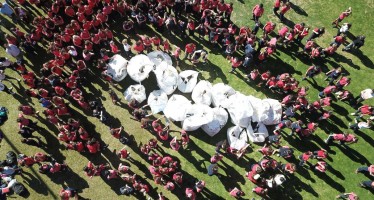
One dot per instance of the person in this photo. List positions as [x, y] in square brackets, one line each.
[189, 49]
[13, 51]
[344, 29]
[364, 95]
[342, 138]
[317, 32]
[364, 110]
[7, 10]
[342, 16]
[235, 63]
[312, 71]
[199, 186]
[236, 193]
[362, 125]
[257, 12]
[190, 194]
[366, 169]
[283, 10]
[195, 58]
[321, 166]
[284, 151]
[355, 44]
[367, 184]
[347, 196]
[67, 193]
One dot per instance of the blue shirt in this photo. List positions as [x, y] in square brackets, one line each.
[6, 9]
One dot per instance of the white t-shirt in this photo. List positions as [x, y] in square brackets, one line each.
[363, 125]
[126, 47]
[367, 94]
[344, 28]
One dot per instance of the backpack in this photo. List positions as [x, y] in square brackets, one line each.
[11, 158]
[19, 188]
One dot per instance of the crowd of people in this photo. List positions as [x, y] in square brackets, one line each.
[79, 36]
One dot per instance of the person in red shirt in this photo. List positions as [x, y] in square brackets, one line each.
[257, 12]
[268, 28]
[305, 157]
[27, 110]
[235, 63]
[190, 194]
[343, 15]
[139, 47]
[321, 166]
[366, 169]
[189, 49]
[329, 90]
[123, 153]
[342, 138]
[236, 193]
[283, 10]
[364, 110]
[320, 154]
[277, 4]
[342, 82]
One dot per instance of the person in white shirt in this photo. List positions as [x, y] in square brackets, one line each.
[126, 48]
[362, 125]
[364, 95]
[344, 29]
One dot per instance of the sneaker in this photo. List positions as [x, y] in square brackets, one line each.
[353, 114]
[19, 80]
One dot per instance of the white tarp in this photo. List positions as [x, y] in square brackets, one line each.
[187, 81]
[196, 116]
[274, 114]
[237, 137]
[157, 101]
[139, 67]
[177, 107]
[220, 117]
[221, 94]
[167, 77]
[240, 109]
[257, 109]
[136, 92]
[260, 135]
[202, 93]
[158, 56]
[117, 67]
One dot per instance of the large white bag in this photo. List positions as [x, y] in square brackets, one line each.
[202, 93]
[177, 107]
[196, 116]
[187, 81]
[136, 92]
[220, 117]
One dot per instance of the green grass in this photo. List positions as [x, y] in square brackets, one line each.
[195, 159]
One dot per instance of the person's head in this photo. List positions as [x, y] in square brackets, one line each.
[261, 5]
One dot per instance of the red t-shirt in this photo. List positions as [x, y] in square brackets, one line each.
[190, 48]
[257, 11]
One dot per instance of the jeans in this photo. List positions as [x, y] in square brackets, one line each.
[363, 169]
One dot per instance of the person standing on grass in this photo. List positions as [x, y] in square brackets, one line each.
[365, 170]
[361, 125]
[235, 63]
[344, 29]
[257, 12]
[357, 43]
[364, 95]
[312, 71]
[343, 15]
[348, 196]
[283, 10]
[317, 32]
[276, 7]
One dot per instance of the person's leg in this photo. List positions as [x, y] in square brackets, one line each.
[362, 169]
[366, 184]
[329, 139]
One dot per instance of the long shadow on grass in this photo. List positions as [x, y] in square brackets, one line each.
[353, 154]
[36, 175]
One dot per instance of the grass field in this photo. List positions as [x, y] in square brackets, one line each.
[194, 160]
